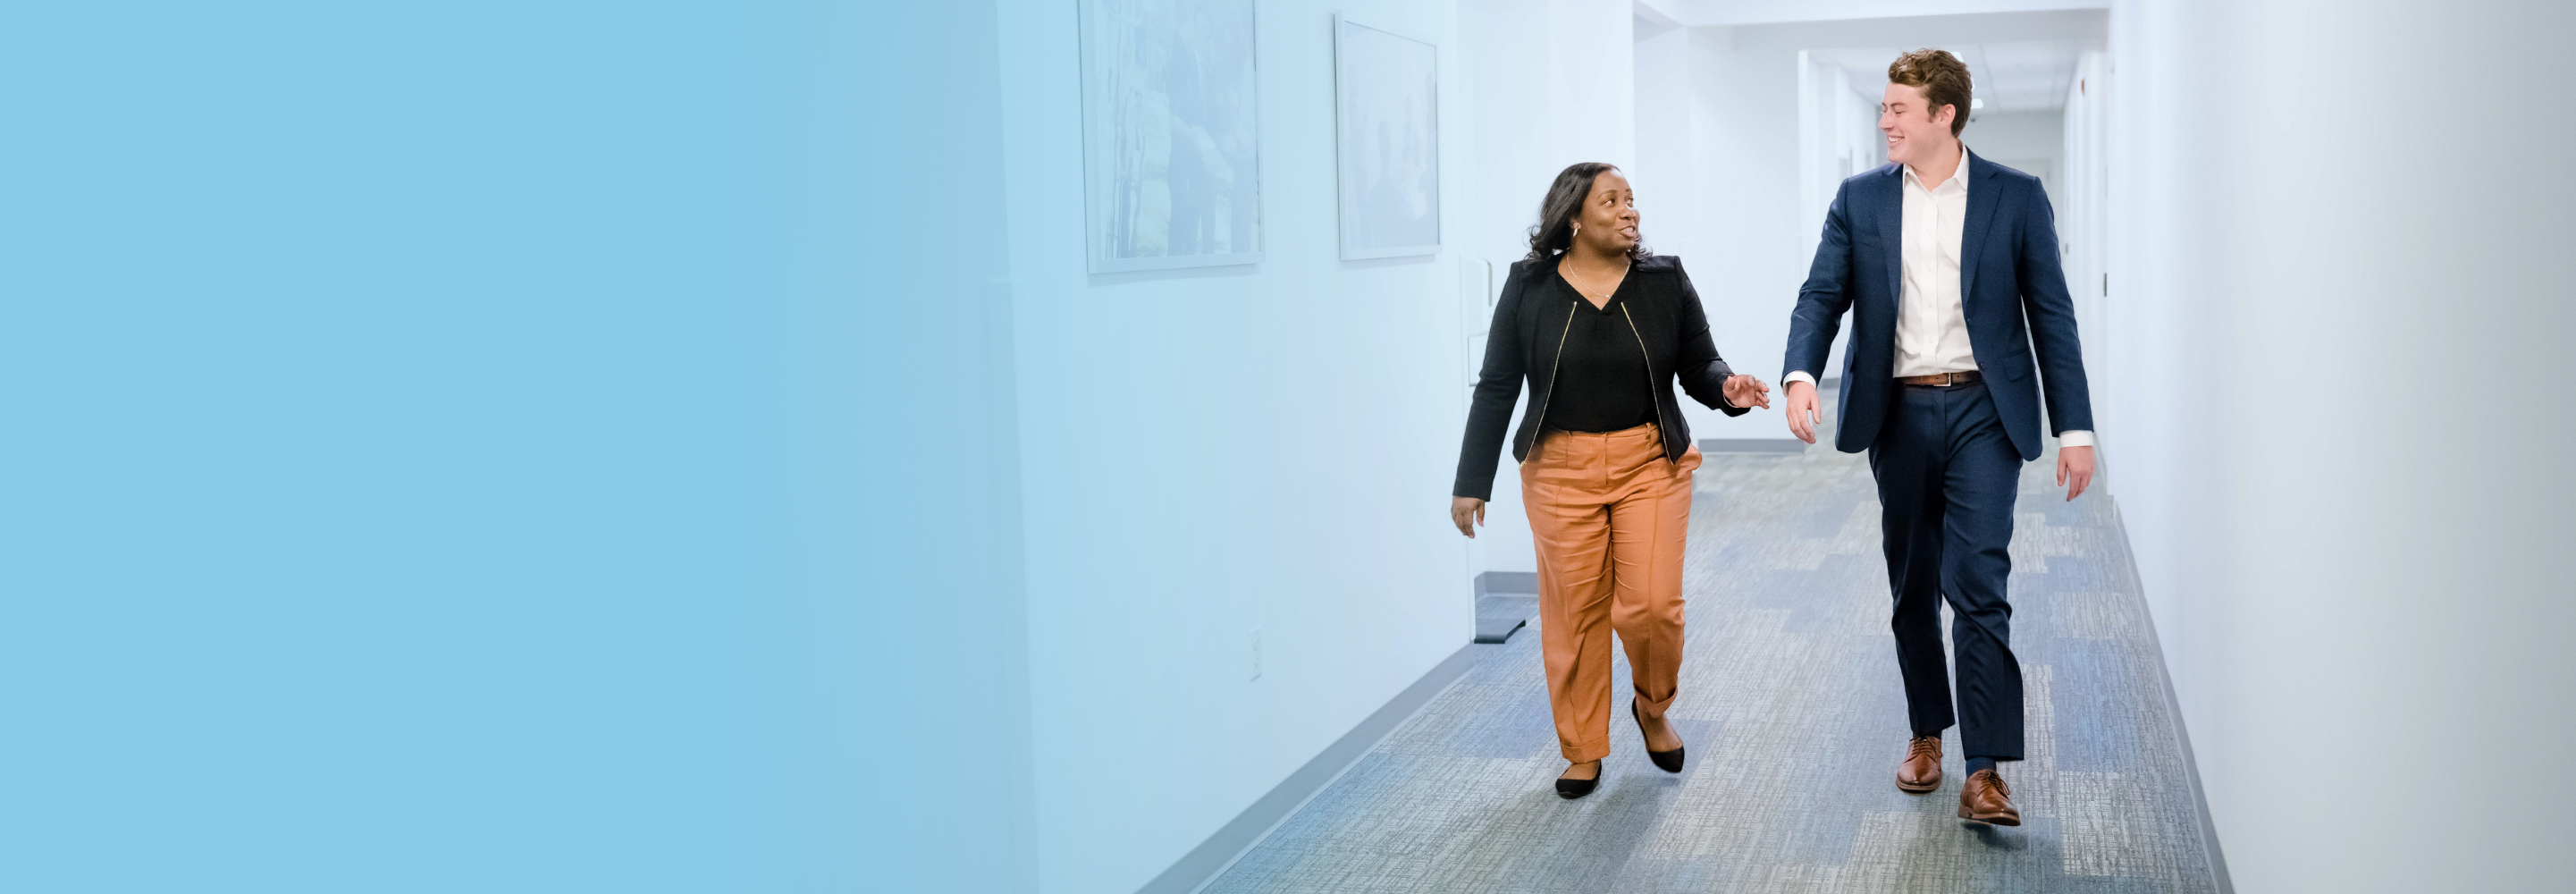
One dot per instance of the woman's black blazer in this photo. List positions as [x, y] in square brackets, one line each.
[1529, 330]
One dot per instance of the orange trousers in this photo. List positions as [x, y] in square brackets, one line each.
[1610, 516]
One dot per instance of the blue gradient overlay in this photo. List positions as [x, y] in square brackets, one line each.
[505, 447]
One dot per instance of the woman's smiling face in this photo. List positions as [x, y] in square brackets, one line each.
[1609, 219]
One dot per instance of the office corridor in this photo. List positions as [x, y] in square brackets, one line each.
[1794, 719]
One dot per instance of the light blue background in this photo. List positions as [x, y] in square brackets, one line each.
[504, 447]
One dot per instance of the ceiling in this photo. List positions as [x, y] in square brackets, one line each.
[2021, 54]
[2011, 76]
[1705, 13]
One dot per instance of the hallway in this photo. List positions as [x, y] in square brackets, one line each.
[1794, 719]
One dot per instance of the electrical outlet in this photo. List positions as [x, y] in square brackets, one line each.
[1256, 653]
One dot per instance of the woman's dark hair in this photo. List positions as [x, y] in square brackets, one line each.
[1554, 232]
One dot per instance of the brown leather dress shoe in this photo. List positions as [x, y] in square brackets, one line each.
[1987, 800]
[1921, 771]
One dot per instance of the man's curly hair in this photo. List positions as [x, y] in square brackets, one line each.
[1943, 80]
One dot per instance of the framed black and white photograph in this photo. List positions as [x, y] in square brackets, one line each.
[1171, 134]
[1387, 117]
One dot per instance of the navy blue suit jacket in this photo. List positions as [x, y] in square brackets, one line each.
[2010, 286]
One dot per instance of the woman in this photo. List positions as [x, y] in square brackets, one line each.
[1601, 329]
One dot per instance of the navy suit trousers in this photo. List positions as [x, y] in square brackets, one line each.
[1947, 475]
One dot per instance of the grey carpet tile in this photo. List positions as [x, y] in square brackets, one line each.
[1795, 720]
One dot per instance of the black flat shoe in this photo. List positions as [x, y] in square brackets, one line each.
[1667, 761]
[1571, 789]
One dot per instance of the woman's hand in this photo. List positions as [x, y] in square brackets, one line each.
[1747, 392]
[1468, 512]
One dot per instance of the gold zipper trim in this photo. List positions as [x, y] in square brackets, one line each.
[1650, 371]
[1559, 360]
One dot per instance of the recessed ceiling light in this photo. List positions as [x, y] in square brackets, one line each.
[1976, 102]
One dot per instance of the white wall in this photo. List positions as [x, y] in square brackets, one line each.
[1744, 251]
[2083, 206]
[2336, 399]
[1667, 170]
[1675, 181]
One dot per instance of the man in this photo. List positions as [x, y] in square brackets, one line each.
[1948, 263]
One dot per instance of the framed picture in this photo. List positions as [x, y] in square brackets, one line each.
[1171, 134]
[1387, 115]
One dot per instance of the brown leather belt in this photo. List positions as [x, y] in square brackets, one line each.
[1941, 380]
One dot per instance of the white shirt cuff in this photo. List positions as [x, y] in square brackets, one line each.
[1799, 376]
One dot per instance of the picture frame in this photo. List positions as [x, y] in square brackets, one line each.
[1386, 101]
[1171, 134]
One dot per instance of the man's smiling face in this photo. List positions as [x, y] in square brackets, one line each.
[1915, 134]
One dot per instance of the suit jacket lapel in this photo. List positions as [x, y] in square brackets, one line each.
[1982, 202]
[1891, 229]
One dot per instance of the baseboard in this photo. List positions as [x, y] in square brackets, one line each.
[1752, 445]
[2182, 735]
[1212, 857]
[1492, 582]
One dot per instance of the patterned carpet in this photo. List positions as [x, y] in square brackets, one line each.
[1795, 720]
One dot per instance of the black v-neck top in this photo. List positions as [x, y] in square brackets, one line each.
[1602, 383]
[1521, 348]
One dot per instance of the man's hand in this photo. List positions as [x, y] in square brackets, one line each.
[1469, 512]
[1802, 411]
[2075, 465]
[1747, 391]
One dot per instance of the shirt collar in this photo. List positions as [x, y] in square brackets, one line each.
[1960, 175]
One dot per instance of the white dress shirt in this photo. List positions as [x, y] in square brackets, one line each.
[1931, 329]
